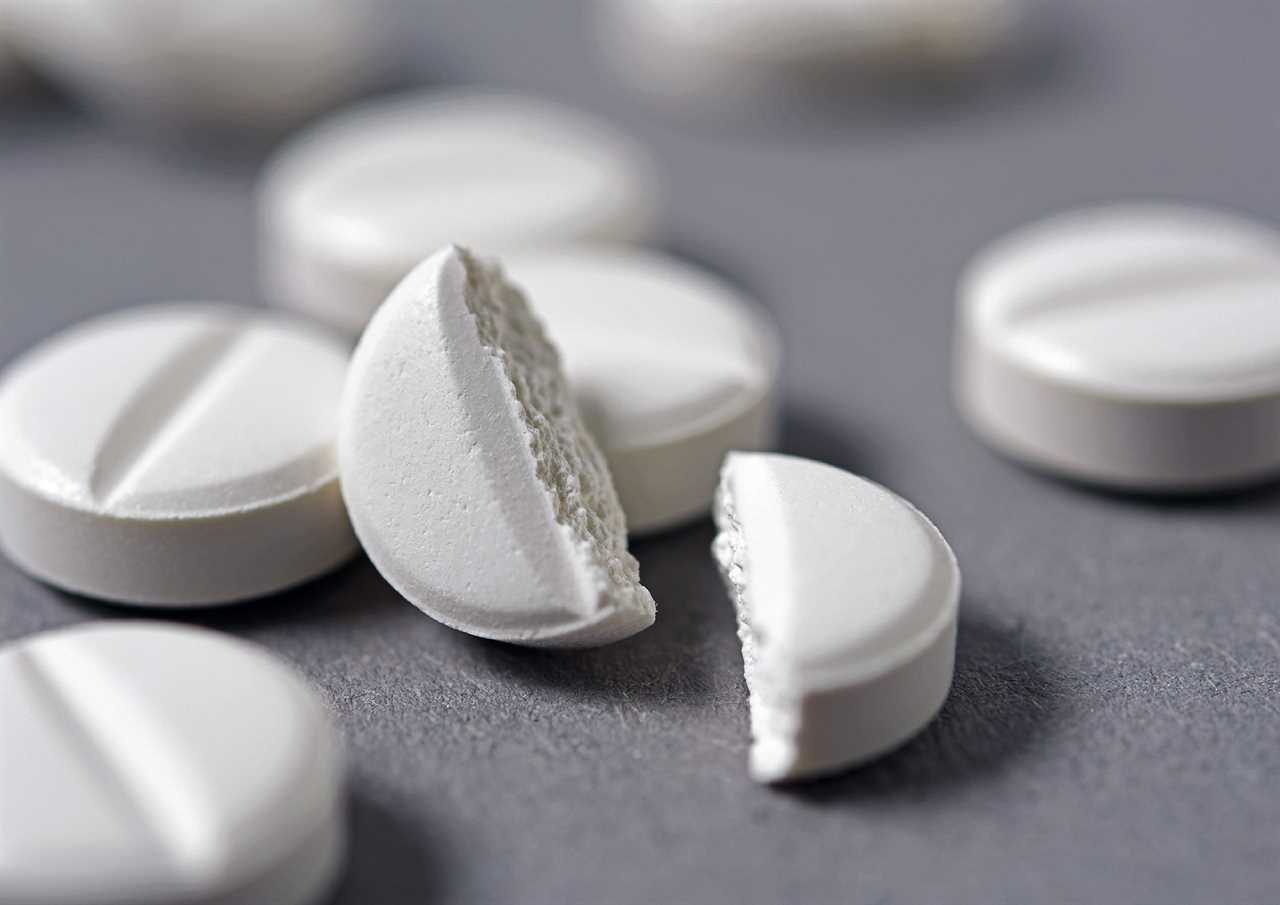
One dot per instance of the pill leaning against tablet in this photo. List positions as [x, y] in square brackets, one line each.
[758, 46]
[671, 367]
[162, 765]
[1134, 346]
[238, 63]
[846, 598]
[471, 482]
[175, 455]
[353, 204]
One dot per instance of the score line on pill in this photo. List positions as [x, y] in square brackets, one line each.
[1131, 346]
[671, 366]
[175, 455]
[354, 203]
[471, 482]
[847, 599]
[157, 764]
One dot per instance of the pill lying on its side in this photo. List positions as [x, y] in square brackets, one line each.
[671, 367]
[234, 63]
[354, 203]
[846, 598]
[707, 48]
[175, 455]
[1133, 346]
[471, 482]
[155, 764]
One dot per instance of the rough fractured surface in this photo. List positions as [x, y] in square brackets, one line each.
[568, 461]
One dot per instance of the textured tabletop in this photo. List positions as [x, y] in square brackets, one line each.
[1114, 730]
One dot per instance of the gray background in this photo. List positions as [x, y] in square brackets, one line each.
[1113, 732]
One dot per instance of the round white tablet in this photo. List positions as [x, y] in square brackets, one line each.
[671, 368]
[154, 764]
[847, 599]
[352, 205]
[230, 63]
[1131, 346]
[471, 482]
[175, 455]
[729, 47]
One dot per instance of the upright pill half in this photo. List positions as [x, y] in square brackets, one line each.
[471, 482]
[671, 366]
[175, 455]
[1131, 346]
[846, 598]
[152, 764]
[353, 204]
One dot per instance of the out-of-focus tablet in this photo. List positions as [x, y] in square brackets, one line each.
[349, 207]
[846, 598]
[175, 455]
[740, 47]
[471, 482]
[1133, 346]
[671, 368]
[238, 63]
[154, 764]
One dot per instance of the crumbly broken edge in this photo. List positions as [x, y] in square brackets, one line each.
[567, 460]
[774, 714]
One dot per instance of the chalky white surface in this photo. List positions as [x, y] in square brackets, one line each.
[1134, 345]
[230, 63]
[671, 367]
[471, 482]
[175, 455]
[155, 764]
[846, 598]
[728, 47]
[352, 205]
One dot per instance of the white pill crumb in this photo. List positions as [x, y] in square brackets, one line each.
[470, 480]
[1133, 346]
[155, 764]
[175, 455]
[846, 598]
[732, 47]
[233, 63]
[671, 368]
[352, 205]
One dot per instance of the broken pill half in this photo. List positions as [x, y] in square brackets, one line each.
[469, 477]
[846, 598]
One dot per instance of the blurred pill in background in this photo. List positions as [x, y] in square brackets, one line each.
[351, 205]
[739, 49]
[247, 64]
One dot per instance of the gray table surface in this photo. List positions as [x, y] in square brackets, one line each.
[1113, 733]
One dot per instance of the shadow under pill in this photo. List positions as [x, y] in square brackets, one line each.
[665, 665]
[352, 594]
[1006, 698]
[389, 860]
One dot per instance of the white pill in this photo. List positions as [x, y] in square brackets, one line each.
[175, 455]
[471, 482]
[352, 205]
[154, 764]
[671, 368]
[846, 598]
[755, 46]
[1132, 346]
[230, 63]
